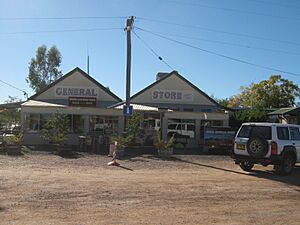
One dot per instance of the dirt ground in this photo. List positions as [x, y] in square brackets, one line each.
[42, 188]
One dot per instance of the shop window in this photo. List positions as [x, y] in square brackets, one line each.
[191, 127]
[43, 120]
[32, 122]
[151, 121]
[182, 127]
[212, 123]
[78, 124]
[111, 125]
[206, 110]
[96, 123]
[104, 124]
[188, 110]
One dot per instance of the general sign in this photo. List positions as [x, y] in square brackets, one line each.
[172, 95]
[65, 91]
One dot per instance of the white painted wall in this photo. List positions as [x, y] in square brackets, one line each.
[173, 84]
[77, 80]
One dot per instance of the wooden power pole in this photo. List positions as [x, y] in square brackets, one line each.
[128, 109]
[128, 29]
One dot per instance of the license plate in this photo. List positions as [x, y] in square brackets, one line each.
[241, 146]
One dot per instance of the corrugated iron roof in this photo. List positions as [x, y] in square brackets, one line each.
[283, 111]
[34, 103]
[138, 107]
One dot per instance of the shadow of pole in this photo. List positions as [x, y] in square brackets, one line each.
[293, 179]
[125, 168]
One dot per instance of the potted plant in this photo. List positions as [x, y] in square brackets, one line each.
[164, 147]
[12, 144]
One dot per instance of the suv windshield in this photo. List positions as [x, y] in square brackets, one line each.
[255, 131]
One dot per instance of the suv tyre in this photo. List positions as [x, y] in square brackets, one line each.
[287, 165]
[246, 166]
[257, 147]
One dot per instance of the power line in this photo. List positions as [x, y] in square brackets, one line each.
[275, 3]
[235, 10]
[229, 43]
[220, 31]
[61, 31]
[152, 51]
[61, 18]
[220, 55]
[24, 92]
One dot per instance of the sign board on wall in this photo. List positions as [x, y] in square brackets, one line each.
[82, 101]
[127, 110]
[172, 95]
[70, 91]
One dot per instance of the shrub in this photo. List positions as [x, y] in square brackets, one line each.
[164, 145]
[56, 129]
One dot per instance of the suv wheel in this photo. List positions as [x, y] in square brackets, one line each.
[257, 147]
[287, 165]
[246, 166]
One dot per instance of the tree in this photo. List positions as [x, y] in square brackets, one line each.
[255, 100]
[56, 129]
[276, 92]
[10, 115]
[222, 101]
[134, 132]
[44, 68]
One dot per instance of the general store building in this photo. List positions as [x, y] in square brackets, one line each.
[171, 102]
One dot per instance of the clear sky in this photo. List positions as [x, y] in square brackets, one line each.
[260, 32]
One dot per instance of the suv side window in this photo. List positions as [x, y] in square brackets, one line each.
[262, 131]
[283, 133]
[254, 131]
[295, 133]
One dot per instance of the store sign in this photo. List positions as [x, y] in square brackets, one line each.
[76, 91]
[82, 101]
[172, 95]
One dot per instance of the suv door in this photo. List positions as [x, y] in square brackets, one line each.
[295, 137]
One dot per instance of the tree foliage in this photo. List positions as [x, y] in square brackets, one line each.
[133, 130]
[10, 116]
[44, 68]
[276, 92]
[256, 99]
[56, 128]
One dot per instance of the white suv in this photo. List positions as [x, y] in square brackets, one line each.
[182, 129]
[267, 143]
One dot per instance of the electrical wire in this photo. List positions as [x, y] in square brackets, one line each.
[275, 3]
[234, 10]
[61, 31]
[62, 18]
[218, 54]
[12, 86]
[219, 31]
[230, 44]
[152, 51]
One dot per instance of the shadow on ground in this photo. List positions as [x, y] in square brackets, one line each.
[293, 179]
[69, 154]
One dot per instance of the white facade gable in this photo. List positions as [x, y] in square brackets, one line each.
[172, 90]
[75, 85]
